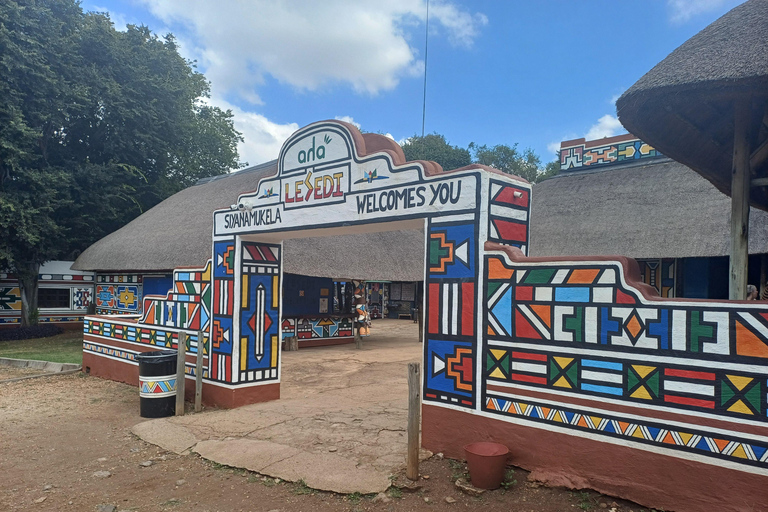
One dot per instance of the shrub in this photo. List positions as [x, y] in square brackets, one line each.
[29, 332]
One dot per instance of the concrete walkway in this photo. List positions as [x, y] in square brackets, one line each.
[339, 426]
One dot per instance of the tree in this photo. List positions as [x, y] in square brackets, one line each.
[509, 160]
[96, 126]
[434, 147]
[552, 169]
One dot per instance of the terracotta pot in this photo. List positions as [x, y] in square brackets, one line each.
[487, 464]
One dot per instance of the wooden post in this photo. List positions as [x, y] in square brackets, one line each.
[358, 339]
[737, 289]
[199, 371]
[291, 344]
[180, 375]
[414, 421]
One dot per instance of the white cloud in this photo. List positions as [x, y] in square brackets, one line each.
[681, 11]
[348, 119]
[263, 138]
[606, 126]
[308, 45]
[554, 147]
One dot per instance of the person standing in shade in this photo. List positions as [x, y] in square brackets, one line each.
[752, 293]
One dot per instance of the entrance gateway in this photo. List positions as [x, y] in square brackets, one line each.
[587, 376]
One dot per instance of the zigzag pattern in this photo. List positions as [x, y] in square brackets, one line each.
[726, 447]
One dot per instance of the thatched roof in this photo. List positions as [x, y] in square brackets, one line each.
[684, 106]
[177, 233]
[658, 210]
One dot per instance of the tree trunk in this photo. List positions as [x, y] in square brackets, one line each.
[28, 276]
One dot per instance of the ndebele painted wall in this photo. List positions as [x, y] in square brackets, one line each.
[590, 378]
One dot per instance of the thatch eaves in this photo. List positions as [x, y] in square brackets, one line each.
[177, 233]
[657, 210]
[684, 106]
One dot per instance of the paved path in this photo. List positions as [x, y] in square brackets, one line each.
[339, 426]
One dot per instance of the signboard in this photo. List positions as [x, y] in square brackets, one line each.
[320, 170]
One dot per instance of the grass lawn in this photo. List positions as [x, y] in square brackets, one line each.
[62, 348]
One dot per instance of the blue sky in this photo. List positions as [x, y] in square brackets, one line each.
[499, 71]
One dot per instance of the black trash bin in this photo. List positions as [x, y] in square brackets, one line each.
[157, 383]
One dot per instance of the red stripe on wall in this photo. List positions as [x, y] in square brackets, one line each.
[467, 309]
[688, 374]
[512, 231]
[507, 195]
[695, 402]
[434, 307]
[530, 357]
[519, 377]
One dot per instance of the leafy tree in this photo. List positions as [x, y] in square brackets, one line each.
[551, 169]
[508, 159]
[434, 147]
[96, 126]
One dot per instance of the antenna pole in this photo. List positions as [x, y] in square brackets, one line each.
[426, 53]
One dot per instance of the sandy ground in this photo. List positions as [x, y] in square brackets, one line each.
[9, 372]
[66, 444]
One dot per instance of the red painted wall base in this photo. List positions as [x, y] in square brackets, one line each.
[651, 479]
[213, 395]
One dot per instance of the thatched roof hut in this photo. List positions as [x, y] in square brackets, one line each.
[661, 209]
[685, 106]
[177, 233]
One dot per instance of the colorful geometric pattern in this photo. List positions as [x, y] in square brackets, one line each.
[128, 297]
[321, 327]
[187, 305]
[578, 329]
[222, 335]
[509, 209]
[10, 299]
[693, 440]
[452, 251]
[660, 274]
[105, 297]
[137, 333]
[119, 278]
[259, 311]
[741, 394]
[112, 352]
[157, 387]
[582, 153]
[224, 259]
[449, 371]
[81, 298]
[566, 304]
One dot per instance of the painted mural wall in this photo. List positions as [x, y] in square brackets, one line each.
[118, 294]
[590, 377]
[64, 294]
[578, 154]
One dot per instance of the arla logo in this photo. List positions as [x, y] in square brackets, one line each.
[314, 152]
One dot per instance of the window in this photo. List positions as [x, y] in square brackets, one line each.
[53, 298]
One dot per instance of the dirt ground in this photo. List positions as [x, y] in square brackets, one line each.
[59, 435]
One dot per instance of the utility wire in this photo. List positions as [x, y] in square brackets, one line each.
[426, 53]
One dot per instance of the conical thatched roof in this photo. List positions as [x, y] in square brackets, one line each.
[684, 106]
[658, 210]
[177, 233]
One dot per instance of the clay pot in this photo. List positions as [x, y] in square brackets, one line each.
[487, 464]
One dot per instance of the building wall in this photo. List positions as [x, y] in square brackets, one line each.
[54, 275]
[119, 294]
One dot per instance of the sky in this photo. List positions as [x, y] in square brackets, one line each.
[532, 73]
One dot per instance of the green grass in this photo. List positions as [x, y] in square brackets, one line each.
[62, 348]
